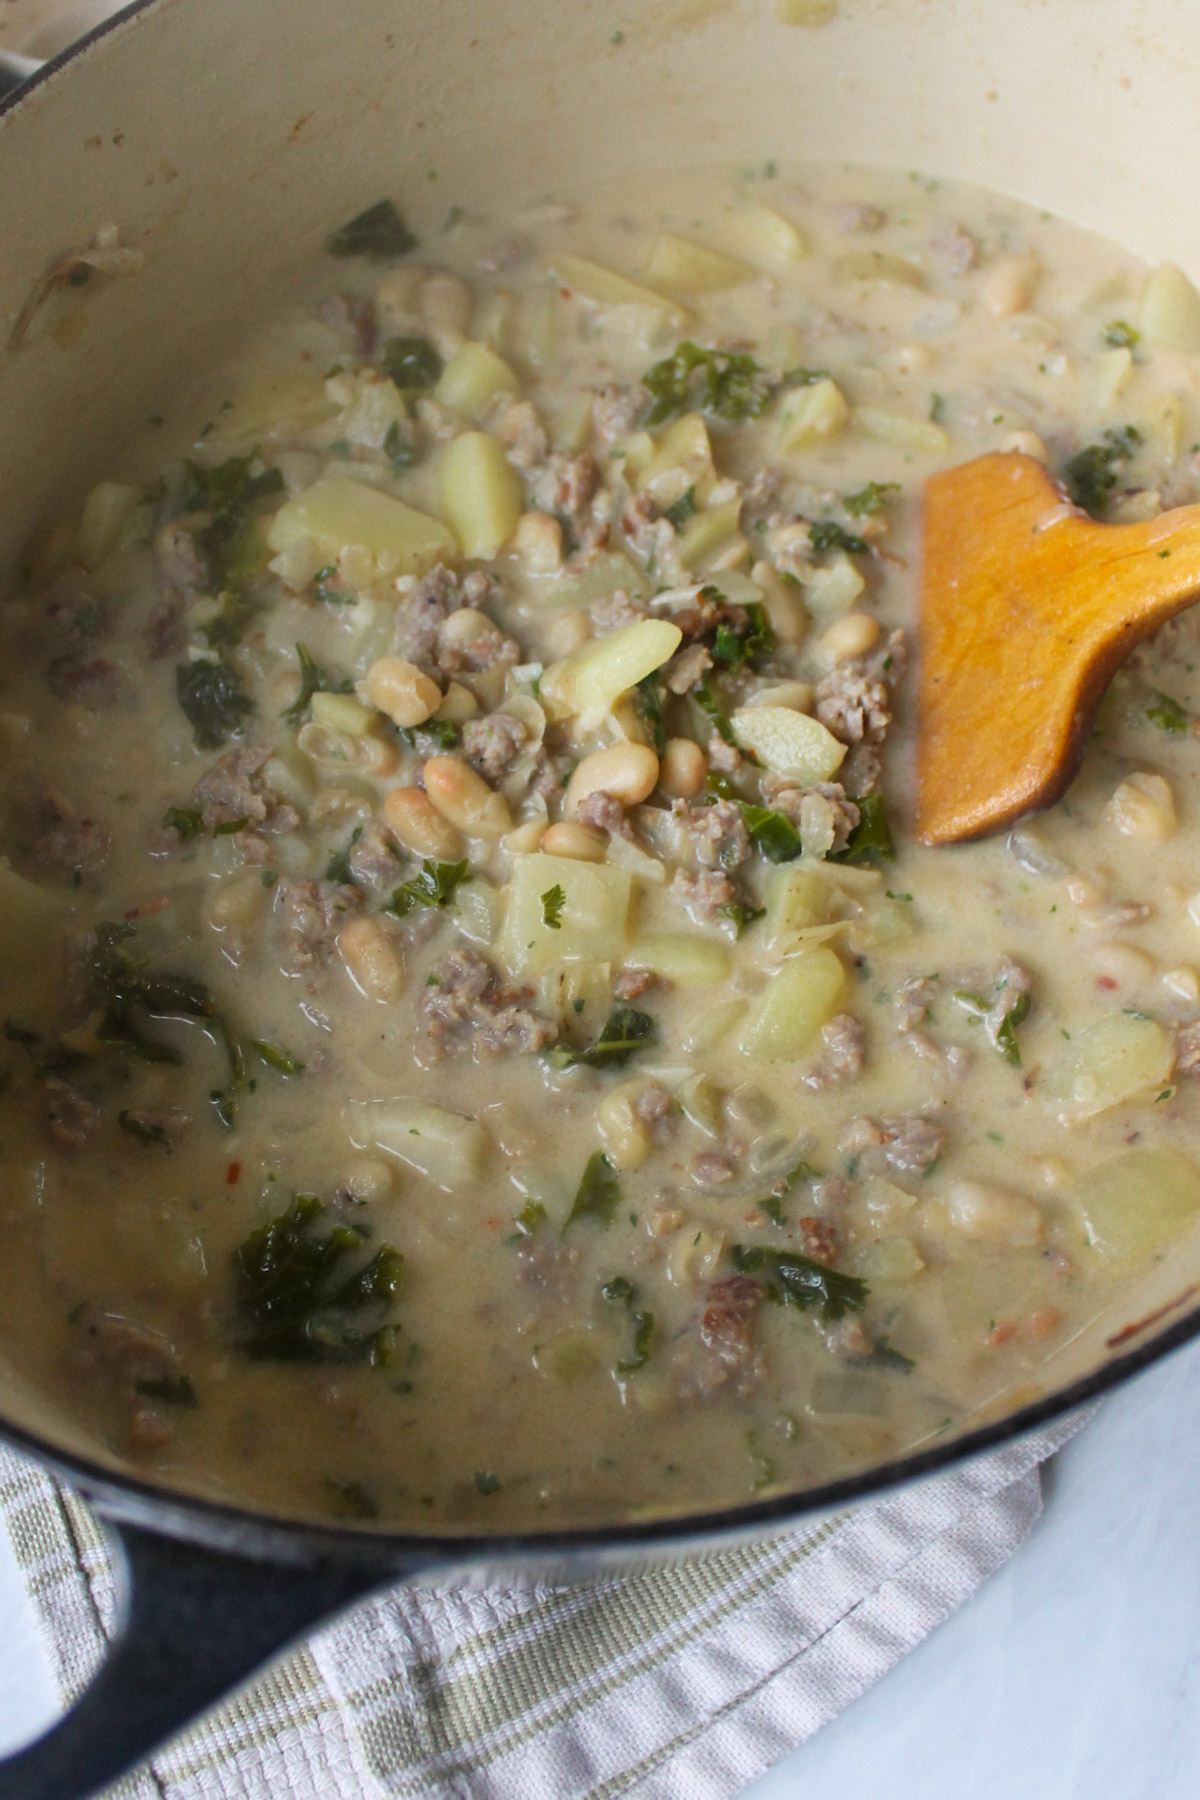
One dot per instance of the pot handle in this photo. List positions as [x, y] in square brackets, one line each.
[195, 1623]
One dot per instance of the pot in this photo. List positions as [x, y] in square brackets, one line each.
[222, 138]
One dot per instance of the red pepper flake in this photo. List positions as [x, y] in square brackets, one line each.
[233, 1174]
[1000, 1334]
[1106, 984]
[147, 907]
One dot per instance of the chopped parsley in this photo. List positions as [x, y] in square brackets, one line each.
[623, 1292]
[398, 447]
[553, 901]
[378, 232]
[485, 1482]
[275, 1057]
[706, 699]
[648, 705]
[146, 1131]
[827, 534]
[338, 867]
[432, 885]
[1167, 714]
[626, 1032]
[1091, 474]
[741, 914]
[1119, 334]
[871, 499]
[1002, 1031]
[531, 1218]
[685, 508]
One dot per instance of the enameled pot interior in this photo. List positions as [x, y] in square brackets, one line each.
[300, 115]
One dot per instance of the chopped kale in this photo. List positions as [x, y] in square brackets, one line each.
[1119, 334]
[724, 384]
[412, 362]
[231, 827]
[444, 731]
[598, 1194]
[145, 1131]
[553, 901]
[338, 867]
[827, 534]
[296, 1297]
[626, 1032]
[798, 378]
[485, 1482]
[882, 1356]
[870, 843]
[648, 705]
[433, 885]
[1091, 474]
[619, 1288]
[685, 508]
[184, 820]
[624, 1293]
[775, 835]
[313, 680]
[742, 914]
[799, 1281]
[734, 645]
[871, 499]
[530, 1218]
[229, 623]
[354, 1502]
[212, 699]
[706, 699]
[379, 233]
[1168, 714]
[232, 539]
[172, 1390]
[130, 995]
[1004, 1033]
[275, 1057]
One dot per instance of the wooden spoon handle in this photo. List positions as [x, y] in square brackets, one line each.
[1028, 607]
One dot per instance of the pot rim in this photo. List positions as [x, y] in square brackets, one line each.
[198, 1518]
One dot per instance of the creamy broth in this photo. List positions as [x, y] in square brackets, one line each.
[483, 1046]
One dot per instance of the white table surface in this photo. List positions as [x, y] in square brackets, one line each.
[1073, 1675]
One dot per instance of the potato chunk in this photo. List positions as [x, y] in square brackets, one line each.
[1110, 1060]
[338, 514]
[1137, 1202]
[591, 920]
[480, 493]
[801, 997]
[681, 266]
[446, 1146]
[789, 742]
[593, 676]
[472, 379]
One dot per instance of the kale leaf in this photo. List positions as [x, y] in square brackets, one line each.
[870, 843]
[432, 885]
[799, 1281]
[313, 680]
[648, 705]
[297, 1297]
[775, 835]
[724, 384]
[379, 232]
[1091, 474]
[213, 701]
[735, 644]
[412, 362]
[741, 914]
[184, 820]
[623, 1292]
[598, 1194]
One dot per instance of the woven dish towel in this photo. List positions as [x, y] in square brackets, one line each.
[678, 1683]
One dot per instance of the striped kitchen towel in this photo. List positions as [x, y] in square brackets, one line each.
[682, 1682]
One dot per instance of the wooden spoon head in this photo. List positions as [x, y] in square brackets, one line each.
[1027, 609]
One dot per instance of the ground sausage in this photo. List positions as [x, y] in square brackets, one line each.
[468, 1005]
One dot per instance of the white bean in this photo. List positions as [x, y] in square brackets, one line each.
[629, 772]
[405, 693]
[684, 769]
[991, 1215]
[464, 797]
[372, 959]
[581, 843]
[852, 635]
[415, 822]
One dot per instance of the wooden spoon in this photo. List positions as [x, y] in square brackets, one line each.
[1028, 607]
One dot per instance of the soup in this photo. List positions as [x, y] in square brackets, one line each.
[482, 1044]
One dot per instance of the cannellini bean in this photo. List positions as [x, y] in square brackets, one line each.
[525, 838]
[991, 1215]
[465, 798]
[415, 822]
[1010, 283]
[627, 771]
[852, 635]
[369, 1178]
[566, 632]
[581, 843]
[1143, 806]
[458, 705]
[463, 628]
[1184, 981]
[402, 691]
[684, 769]
[236, 901]
[537, 542]
[624, 1135]
[1026, 443]
[372, 959]
[799, 695]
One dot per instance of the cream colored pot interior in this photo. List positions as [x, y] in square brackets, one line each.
[223, 137]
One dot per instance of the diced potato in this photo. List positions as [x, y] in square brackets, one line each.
[571, 1356]
[591, 920]
[887, 1259]
[604, 287]
[537, 336]
[683, 449]
[472, 379]
[686, 958]
[279, 406]
[812, 414]
[579, 995]
[713, 1027]
[1110, 1060]
[593, 675]
[599, 579]
[1134, 1204]
[831, 591]
[1166, 426]
[480, 493]
[920, 437]
[797, 900]
[1169, 316]
[878, 265]
[477, 910]
[493, 318]
[446, 1146]
[342, 712]
[883, 922]
[709, 534]
[338, 515]
[372, 406]
[1111, 373]
[766, 233]
[981, 1292]
[30, 922]
[681, 266]
[802, 995]
[106, 512]
[789, 742]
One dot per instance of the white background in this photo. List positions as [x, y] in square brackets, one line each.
[1073, 1675]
